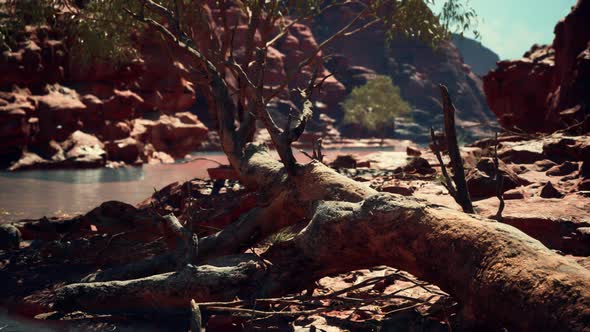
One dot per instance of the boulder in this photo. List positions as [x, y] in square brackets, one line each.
[481, 182]
[121, 106]
[558, 224]
[83, 150]
[344, 161]
[396, 188]
[93, 116]
[481, 185]
[30, 160]
[127, 150]
[10, 237]
[410, 151]
[14, 127]
[544, 165]
[562, 148]
[419, 165]
[524, 152]
[60, 113]
[111, 131]
[80, 150]
[566, 168]
[176, 135]
[513, 194]
[546, 89]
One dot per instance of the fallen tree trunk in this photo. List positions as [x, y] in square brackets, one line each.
[500, 276]
[225, 278]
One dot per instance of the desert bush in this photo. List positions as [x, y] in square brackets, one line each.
[375, 105]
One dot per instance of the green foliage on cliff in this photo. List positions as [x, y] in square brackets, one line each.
[375, 104]
[94, 30]
[102, 29]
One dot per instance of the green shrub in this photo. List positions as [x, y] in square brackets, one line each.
[375, 105]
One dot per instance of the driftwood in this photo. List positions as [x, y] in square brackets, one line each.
[460, 192]
[484, 264]
[501, 277]
[196, 321]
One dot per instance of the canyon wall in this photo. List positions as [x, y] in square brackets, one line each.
[547, 89]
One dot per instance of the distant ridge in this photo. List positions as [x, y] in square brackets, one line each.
[480, 58]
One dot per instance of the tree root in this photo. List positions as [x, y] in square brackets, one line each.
[482, 263]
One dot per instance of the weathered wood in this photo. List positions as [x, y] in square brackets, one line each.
[435, 147]
[222, 279]
[499, 182]
[462, 193]
[500, 276]
[196, 322]
[180, 239]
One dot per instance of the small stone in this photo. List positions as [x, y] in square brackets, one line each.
[419, 165]
[549, 191]
[413, 152]
[513, 194]
[396, 189]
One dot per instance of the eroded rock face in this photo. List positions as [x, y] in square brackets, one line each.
[545, 90]
[79, 150]
[60, 112]
[480, 58]
[15, 128]
[177, 135]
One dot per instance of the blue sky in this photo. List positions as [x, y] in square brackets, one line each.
[511, 27]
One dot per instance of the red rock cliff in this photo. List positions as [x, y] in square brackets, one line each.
[547, 89]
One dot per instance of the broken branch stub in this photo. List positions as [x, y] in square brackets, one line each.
[462, 196]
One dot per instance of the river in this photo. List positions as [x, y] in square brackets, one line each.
[38, 193]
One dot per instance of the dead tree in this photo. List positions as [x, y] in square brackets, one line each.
[500, 276]
[499, 178]
[459, 190]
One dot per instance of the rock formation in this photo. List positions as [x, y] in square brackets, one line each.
[480, 58]
[48, 94]
[546, 90]
[413, 66]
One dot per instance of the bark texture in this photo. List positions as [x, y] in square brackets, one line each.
[501, 276]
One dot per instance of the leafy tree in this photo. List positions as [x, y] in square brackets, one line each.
[101, 29]
[375, 105]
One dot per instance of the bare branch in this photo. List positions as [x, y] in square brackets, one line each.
[338, 34]
[195, 323]
[462, 197]
[499, 182]
[436, 150]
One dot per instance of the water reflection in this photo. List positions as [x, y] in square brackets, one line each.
[103, 175]
[34, 194]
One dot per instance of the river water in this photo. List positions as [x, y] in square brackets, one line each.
[34, 194]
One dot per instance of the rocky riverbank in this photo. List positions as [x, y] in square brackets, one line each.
[546, 191]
